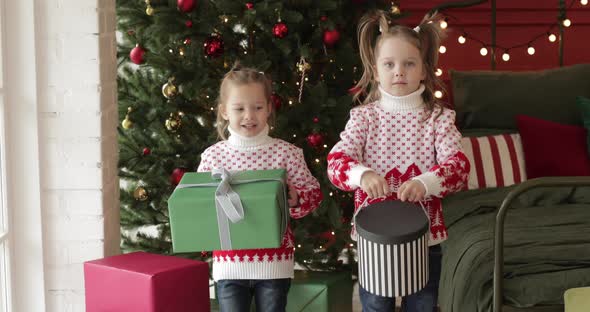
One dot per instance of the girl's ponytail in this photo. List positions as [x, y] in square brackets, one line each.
[430, 35]
[370, 28]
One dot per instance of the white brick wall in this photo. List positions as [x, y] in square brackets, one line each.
[76, 70]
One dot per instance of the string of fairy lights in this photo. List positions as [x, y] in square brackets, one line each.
[485, 47]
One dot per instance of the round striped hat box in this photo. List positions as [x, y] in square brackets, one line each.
[392, 248]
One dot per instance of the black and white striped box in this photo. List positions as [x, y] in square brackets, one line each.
[392, 248]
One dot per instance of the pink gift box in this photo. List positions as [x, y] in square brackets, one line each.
[144, 282]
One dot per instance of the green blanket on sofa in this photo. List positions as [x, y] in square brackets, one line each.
[547, 247]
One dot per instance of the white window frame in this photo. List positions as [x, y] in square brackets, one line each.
[22, 184]
[5, 272]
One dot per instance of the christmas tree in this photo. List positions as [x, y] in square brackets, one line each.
[172, 55]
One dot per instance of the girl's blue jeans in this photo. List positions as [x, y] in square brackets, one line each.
[269, 295]
[422, 301]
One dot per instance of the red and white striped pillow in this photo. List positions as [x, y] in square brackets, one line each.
[496, 161]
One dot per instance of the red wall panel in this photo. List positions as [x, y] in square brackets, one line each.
[517, 23]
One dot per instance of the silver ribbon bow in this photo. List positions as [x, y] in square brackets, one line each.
[228, 206]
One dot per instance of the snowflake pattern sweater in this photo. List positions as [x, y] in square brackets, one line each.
[262, 152]
[397, 138]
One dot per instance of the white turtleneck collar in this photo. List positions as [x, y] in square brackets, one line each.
[392, 103]
[240, 141]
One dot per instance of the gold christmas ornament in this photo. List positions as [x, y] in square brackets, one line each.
[395, 9]
[140, 194]
[149, 10]
[174, 122]
[169, 90]
[181, 51]
[126, 123]
[302, 66]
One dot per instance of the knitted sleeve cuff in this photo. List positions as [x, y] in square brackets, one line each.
[355, 174]
[431, 183]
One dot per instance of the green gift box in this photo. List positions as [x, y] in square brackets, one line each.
[203, 203]
[313, 291]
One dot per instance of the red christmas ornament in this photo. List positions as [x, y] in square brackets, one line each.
[323, 18]
[315, 140]
[276, 101]
[280, 30]
[188, 24]
[249, 5]
[187, 41]
[136, 55]
[328, 237]
[331, 37]
[213, 46]
[177, 175]
[316, 120]
[186, 5]
[146, 151]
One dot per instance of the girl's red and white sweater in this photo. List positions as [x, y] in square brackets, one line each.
[400, 140]
[262, 152]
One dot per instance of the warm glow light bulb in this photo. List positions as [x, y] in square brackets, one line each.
[461, 39]
[552, 37]
[531, 50]
[567, 22]
[584, 2]
[444, 24]
[439, 72]
[438, 94]
[483, 51]
[506, 57]
[442, 49]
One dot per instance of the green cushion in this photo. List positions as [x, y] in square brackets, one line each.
[491, 99]
[577, 299]
[584, 106]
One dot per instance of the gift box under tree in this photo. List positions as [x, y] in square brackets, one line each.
[320, 292]
[144, 282]
[222, 210]
[313, 291]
